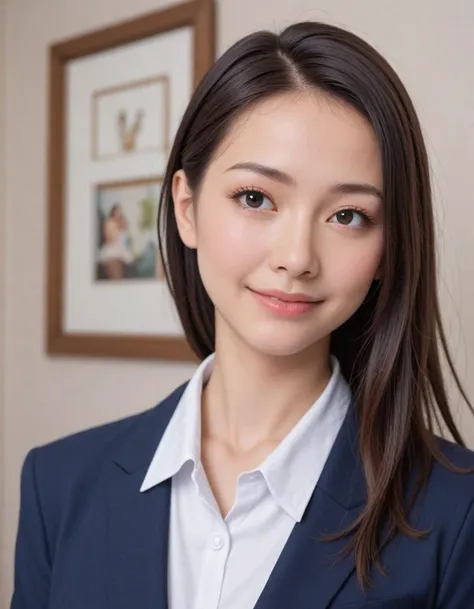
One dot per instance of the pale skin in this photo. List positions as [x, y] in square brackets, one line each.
[296, 231]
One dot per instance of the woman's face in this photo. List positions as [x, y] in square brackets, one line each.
[290, 203]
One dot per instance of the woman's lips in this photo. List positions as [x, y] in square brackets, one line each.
[285, 304]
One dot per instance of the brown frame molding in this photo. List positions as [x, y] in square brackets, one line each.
[199, 14]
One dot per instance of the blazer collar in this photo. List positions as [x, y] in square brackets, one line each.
[311, 569]
[181, 440]
[139, 447]
[137, 524]
[342, 477]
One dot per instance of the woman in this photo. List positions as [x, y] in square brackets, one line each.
[299, 467]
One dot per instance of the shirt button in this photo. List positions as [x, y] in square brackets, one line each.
[217, 542]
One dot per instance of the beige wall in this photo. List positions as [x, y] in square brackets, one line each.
[3, 556]
[430, 43]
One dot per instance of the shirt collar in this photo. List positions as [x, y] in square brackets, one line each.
[294, 467]
[181, 441]
[291, 471]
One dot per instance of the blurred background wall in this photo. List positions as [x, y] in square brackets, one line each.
[2, 281]
[3, 555]
[431, 45]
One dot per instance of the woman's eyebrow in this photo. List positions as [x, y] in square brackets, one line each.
[268, 172]
[285, 178]
[356, 188]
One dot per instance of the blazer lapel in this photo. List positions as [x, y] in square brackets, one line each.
[310, 571]
[138, 523]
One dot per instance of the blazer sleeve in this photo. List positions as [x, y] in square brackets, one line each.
[32, 557]
[457, 587]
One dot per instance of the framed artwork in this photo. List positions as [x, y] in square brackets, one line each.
[126, 219]
[131, 118]
[116, 99]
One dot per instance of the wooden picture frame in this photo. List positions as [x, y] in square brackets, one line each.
[195, 16]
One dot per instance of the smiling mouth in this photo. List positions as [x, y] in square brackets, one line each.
[286, 296]
[284, 304]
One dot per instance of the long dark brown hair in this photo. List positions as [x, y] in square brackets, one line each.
[389, 349]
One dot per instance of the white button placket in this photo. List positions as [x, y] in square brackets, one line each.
[213, 570]
[217, 542]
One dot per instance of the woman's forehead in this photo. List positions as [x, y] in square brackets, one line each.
[301, 132]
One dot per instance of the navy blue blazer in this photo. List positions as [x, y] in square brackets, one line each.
[88, 539]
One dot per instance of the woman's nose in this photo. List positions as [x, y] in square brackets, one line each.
[294, 248]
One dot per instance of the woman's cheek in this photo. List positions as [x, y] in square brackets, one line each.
[354, 273]
[230, 240]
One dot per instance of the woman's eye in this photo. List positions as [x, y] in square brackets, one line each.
[254, 199]
[346, 217]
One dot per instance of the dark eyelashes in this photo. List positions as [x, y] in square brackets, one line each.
[246, 190]
[367, 218]
[236, 194]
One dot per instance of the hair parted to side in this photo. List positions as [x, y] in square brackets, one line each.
[390, 349]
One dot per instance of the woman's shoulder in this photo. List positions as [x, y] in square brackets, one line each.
[76, 461]
[98, 443]
[460, 455]
[83, 454]
[64, 475]
[88, 443]
[447, 484]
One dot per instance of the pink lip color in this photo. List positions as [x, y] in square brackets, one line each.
[284, 308]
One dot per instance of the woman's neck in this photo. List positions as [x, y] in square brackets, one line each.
[252, 399]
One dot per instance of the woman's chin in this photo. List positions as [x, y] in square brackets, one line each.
[280, 345]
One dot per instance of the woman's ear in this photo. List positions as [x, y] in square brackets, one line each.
[184, 209]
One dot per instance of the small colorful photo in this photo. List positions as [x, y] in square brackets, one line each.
[127, 242]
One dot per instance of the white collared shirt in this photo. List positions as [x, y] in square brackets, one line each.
[224, 563]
